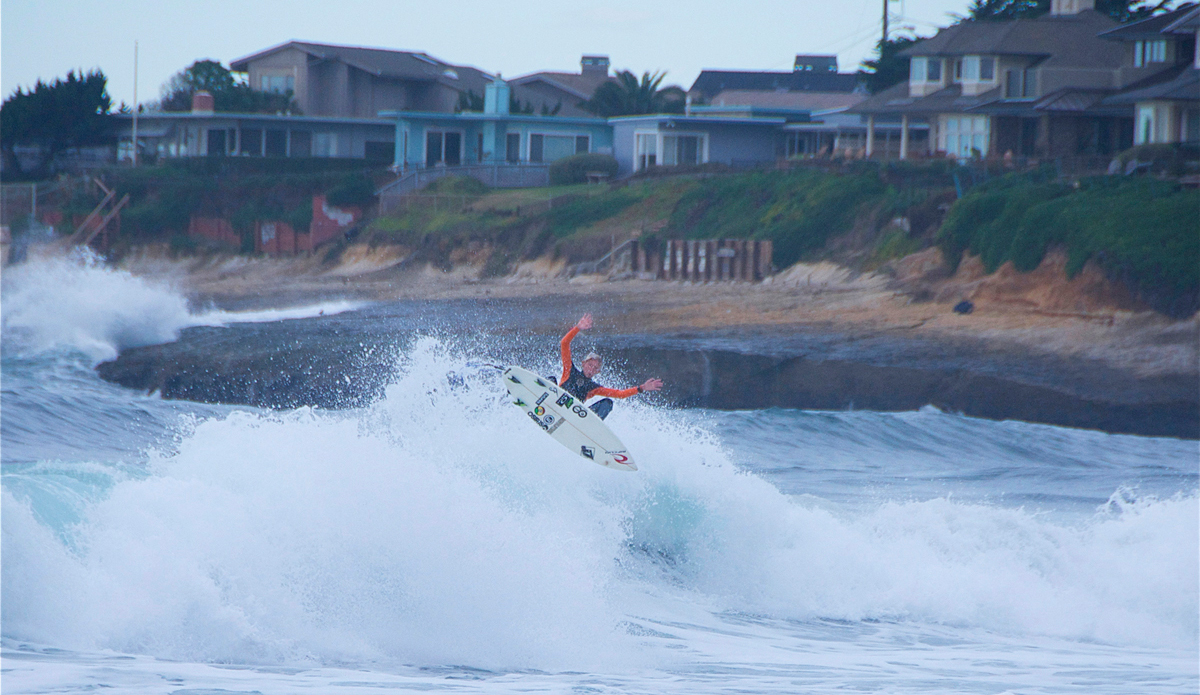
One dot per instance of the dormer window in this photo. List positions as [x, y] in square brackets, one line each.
[1146, 52]
[917, 69]
[987, 69]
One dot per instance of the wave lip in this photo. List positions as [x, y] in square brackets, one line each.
[76, 303]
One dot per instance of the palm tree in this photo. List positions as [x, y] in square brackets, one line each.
[628, 96]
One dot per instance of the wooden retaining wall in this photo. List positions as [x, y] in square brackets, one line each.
[702, 260]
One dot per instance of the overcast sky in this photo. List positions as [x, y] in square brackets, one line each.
[46, 38]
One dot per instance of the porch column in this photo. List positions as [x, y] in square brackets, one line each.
[870, 135]
[904, 136]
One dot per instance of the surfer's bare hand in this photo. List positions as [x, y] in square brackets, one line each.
[652, 384]
[585, 322]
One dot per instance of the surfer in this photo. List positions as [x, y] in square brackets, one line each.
[577, 381]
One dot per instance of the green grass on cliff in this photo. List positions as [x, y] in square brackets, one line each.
[799, 211]
[1142, 230]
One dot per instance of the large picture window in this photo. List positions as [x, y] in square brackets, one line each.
[443, 148]
[682, 150]
[964, 136]
[278, 83]
[551, 148]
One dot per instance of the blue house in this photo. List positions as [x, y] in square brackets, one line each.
[495, 136]
[660, 140]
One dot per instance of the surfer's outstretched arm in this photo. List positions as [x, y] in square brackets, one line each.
[583, 324]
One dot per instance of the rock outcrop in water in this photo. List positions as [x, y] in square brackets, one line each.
[328, 364]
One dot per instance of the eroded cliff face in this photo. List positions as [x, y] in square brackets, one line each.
[1045, 289]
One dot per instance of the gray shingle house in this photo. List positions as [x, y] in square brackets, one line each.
[1164, 67]
[1036, 87]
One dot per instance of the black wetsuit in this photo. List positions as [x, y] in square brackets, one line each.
[580, 386]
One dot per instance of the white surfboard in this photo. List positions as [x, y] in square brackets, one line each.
[565, 418]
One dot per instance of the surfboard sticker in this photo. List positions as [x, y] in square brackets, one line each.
[566, 419]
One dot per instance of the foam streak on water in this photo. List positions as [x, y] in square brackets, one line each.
[437, 540]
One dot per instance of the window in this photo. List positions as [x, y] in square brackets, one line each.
[933, 71]
[1146, 52]
[551, 148]
[681, 150]
[582, 144]
[970, 69]
[251, 142]
[964, 136]
[301, 143]
[958, 70]
[917, 69]
[276, 143]
[325, 145]
[646, 151]
[443, 148]
[278, 83]
[1156, 51]
[216, 142]
[479, 148]
[1012, 84]
[1029, 83]
[512, 148]
[987, 69]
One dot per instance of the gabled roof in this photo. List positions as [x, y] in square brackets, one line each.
[1185, 24]
[580, 86]
[711, 82]
[382, 62]
[1152, 27]
[1064, 40]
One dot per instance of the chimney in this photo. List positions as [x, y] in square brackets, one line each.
[1060, 8]
[496, 96]
[202, 102]
[594, 65]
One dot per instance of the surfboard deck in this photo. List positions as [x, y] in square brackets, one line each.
[566, 419]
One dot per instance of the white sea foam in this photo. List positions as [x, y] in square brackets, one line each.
[78, 303]
[400, 534]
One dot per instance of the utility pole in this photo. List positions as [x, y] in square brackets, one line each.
[883, 42]
[136, 101]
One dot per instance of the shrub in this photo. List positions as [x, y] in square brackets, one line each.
[800, 211]
[1142, 230]
[576, 168]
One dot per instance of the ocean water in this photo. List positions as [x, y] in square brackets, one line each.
[436, 541]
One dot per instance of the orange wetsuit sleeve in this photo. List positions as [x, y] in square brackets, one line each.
[565, 348]
[613, 393]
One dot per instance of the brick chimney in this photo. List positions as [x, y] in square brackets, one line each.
[1069, 7]
[202, 102]
[594, 65]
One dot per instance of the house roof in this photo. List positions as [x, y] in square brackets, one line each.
[581, 86]
[1063, 40]
[382, 62]
[1152, 27]
[712, 82]
[1180, 83]
[1185, 24]
[798, 101]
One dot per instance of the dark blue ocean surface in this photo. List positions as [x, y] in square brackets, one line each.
[436, 540]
